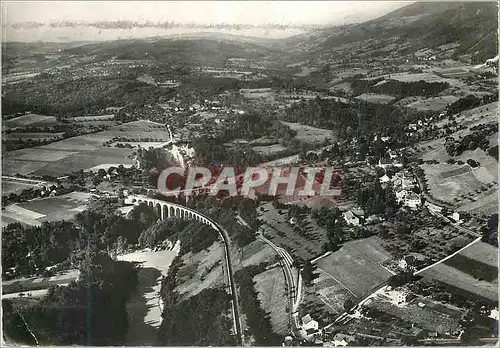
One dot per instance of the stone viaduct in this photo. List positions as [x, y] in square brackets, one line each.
[166, 210]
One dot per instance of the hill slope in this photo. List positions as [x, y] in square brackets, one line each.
[472, 25]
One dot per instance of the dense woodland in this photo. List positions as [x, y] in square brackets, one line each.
[90, 311]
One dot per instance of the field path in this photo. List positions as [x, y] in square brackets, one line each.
[478, 239]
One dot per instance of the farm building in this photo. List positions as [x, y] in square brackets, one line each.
[351, 219]
[342, 340]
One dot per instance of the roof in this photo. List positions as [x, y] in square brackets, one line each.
[306, 318]
[409, 258]
[341, 336]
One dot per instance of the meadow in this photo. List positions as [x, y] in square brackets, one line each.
[356, 266]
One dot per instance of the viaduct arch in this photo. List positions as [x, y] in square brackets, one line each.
[165, 210]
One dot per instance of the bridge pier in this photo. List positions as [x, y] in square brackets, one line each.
[165, 210]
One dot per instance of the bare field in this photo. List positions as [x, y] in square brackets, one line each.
[144, 306]
[309, 134]
[330, 293]
[270, 286]
[356, 266]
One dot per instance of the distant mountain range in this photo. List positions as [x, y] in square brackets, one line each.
[472, 25]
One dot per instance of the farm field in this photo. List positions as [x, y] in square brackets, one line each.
[30, 120]
[82, 152]
[343, 86]
[37, 154]
[309, 134]
[12, 185]
[33, 136]
[330, 292]
[258, 93]
[482, 252]
[376, 98]
[433, 104]
[270, 286]
[63, 207]
[472, 117]
[455, 278]
[356, 266]
[461, 184]
[12, 167]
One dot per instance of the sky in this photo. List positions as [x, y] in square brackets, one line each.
[203, 12]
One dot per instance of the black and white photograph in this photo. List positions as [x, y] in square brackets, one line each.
[249, 173]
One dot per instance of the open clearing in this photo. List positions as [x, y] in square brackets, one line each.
[85, 151]
[356, 266]
[330, 292]
[432, 317]
[277, 228]
[16, 186]
[462, 185]
[457, 279]
[309, 134]
[376, 98]
[30, 120]
[202, 270]
[38, 283]
[94, 118]
[63, 207]
[482, 252]
[269, 149]
[270, 286]
[433, 104]
[33, 136]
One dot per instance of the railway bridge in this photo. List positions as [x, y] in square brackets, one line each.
[166, 210]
